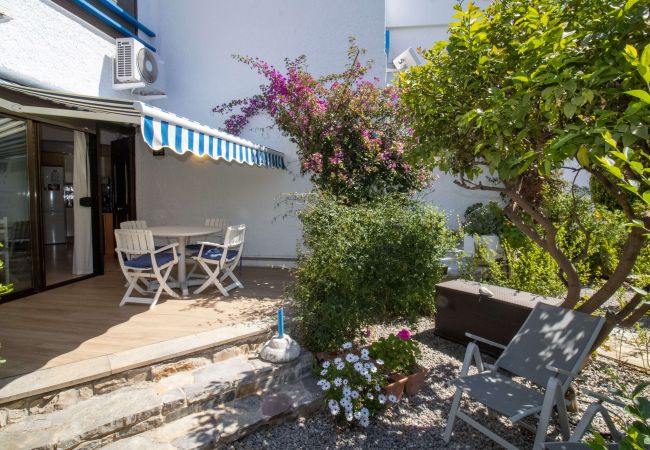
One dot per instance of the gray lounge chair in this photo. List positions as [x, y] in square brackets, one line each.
[549, 349]
[585, 424]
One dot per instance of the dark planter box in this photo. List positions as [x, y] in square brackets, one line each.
[460, 309]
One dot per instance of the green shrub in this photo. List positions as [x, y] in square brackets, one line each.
[365, 263]
[482, 218]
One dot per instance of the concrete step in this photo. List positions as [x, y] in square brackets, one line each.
[218, 426]
[178, 401]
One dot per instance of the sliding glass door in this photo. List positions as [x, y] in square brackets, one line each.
[16, 246]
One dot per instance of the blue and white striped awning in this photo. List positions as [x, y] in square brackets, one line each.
[159, 128]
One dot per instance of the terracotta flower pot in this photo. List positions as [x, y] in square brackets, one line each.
[396, 385]
[415, 381]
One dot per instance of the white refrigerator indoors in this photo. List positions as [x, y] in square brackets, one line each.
[53, 206]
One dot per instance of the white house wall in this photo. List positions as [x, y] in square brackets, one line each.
[420, 24]
[46, 46]
[197, 39]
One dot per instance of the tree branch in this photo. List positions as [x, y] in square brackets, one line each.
[615, 192]
[550, 245]
[629, 306]
[631, 250]
[511, 212]
[636, 315]
[465, 183]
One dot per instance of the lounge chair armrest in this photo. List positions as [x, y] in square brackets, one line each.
[485, 341]
[603, 398]
[557, 370]
[166, 248]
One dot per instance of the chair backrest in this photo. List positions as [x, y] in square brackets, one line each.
[133, 242]
[134, 225]
[235, 236]
[215, 222]
[551, 335]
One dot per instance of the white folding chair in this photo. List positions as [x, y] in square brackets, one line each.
[192, 249]
[134, 225]
[140, 260]
[224, 257]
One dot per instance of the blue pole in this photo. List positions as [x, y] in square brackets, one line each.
[126, 16]
[110, 22]
[281, 322]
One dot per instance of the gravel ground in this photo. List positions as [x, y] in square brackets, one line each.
[418, 423]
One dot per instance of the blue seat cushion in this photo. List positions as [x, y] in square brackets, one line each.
[144, 261]
[215, 254]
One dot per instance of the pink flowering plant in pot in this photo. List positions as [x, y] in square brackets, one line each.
[351, 133]
[352, 385]
[400, 354]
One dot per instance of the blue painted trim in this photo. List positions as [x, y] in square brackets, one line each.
[387, 42]
[110, 22]
[126, 16]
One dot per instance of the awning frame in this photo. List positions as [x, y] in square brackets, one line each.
[155, 125]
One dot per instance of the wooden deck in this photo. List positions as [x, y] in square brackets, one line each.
[83, 320]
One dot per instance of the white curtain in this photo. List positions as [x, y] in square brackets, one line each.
[82, 261]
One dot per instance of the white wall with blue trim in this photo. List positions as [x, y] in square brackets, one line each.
[196, 39]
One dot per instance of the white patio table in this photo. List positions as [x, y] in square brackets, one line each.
[181, 233]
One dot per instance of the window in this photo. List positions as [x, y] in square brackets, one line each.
[128, 6]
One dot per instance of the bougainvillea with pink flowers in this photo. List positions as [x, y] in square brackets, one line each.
[351, 135]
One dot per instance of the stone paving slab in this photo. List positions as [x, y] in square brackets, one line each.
[227, 422]
[183, 400]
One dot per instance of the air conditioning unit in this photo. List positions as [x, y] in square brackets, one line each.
[136, 68]
[408, 58]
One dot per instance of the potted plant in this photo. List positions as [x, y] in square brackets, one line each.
[486, 221]
[399, 353]
[352, 386]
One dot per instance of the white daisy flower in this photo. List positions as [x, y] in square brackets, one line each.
[364, 412]
[377, 388]
[392, 398]
[326, 386]
[365, 354]
[340, 366]
[326, 364]
[349, 416]
[320, 382]
[368, 378]
[379, 362]
[345, 382]
[347, 346]
[364, 373]
[358, 367]
[357, 415]
[337, 360]
[370, 396]
[354, 394]
[338, 381]
[381, 398]
[364, 422]
[350, 358]
[372, 368]
[347, 391]
[323, 372]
